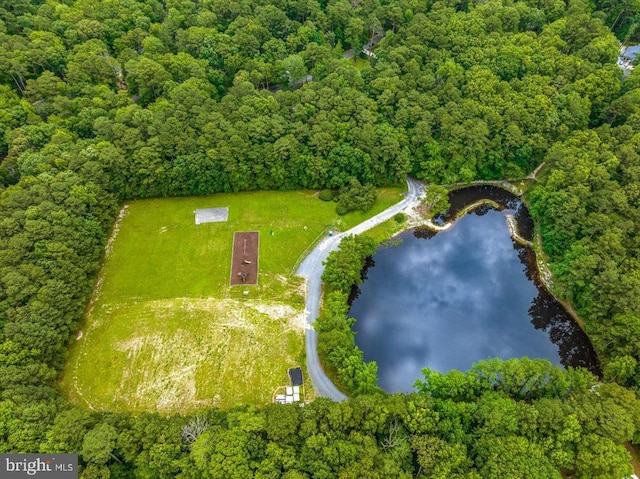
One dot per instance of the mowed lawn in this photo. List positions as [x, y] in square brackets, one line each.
[165, 332]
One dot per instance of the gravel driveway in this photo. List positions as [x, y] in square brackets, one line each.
[311, 269]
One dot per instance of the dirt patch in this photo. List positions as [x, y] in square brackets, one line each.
[114, 233]
[296, 319]
[107, 252]
[165, 384]
[244, 262]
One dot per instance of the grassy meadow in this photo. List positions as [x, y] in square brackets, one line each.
[165, 332]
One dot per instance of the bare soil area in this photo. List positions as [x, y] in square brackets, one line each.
[244, 262]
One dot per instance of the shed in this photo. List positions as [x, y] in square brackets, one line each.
[296, 376]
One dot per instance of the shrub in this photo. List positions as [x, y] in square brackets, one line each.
[326, 195]
[342, 209]
[355, 196]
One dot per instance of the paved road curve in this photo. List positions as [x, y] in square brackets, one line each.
[311, 269]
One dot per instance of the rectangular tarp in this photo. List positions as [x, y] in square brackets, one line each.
[212, 215]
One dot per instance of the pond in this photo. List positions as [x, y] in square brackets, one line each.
[448, 300]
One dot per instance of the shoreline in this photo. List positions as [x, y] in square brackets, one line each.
[311, 267]
[544, 273]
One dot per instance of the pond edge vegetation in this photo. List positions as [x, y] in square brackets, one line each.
[344, 270]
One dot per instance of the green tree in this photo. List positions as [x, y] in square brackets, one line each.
[513, 457]
[99, 443]
[436, 200]
[147, 78]
[439, 459]
[354, 196]
[599, 457]
[295, 69]
[354, 34]
[68, 431]
[342, 267]
[282, 423]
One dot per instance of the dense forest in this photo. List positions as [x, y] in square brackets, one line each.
[103, 101]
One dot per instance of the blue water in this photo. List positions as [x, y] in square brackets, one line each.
[458, 297]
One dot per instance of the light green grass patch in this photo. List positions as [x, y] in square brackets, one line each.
[383, 232]
[360, 63]
[165, 332]
[184, 353]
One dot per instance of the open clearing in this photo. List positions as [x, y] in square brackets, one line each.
[164, 331]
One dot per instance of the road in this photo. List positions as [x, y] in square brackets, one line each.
[303, 81]
[349, 54]
[311, 269]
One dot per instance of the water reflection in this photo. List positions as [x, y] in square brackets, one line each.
[573, 345]
[459, 199]
[448, 300]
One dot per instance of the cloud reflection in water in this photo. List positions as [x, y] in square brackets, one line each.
[454, 299]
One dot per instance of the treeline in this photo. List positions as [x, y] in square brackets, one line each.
[336, 339]
[105, 101]
[52, 235]
[531, 419]
[485, 94]
[588, 209]
[173, 100]
[520, 418]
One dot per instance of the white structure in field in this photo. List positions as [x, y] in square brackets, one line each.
[211, 215]
[292, 393]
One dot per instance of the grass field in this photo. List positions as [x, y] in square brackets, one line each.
[165, 332]
[359, 63]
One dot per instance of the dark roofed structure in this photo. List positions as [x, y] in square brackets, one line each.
[296, 376]
[631, 52]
